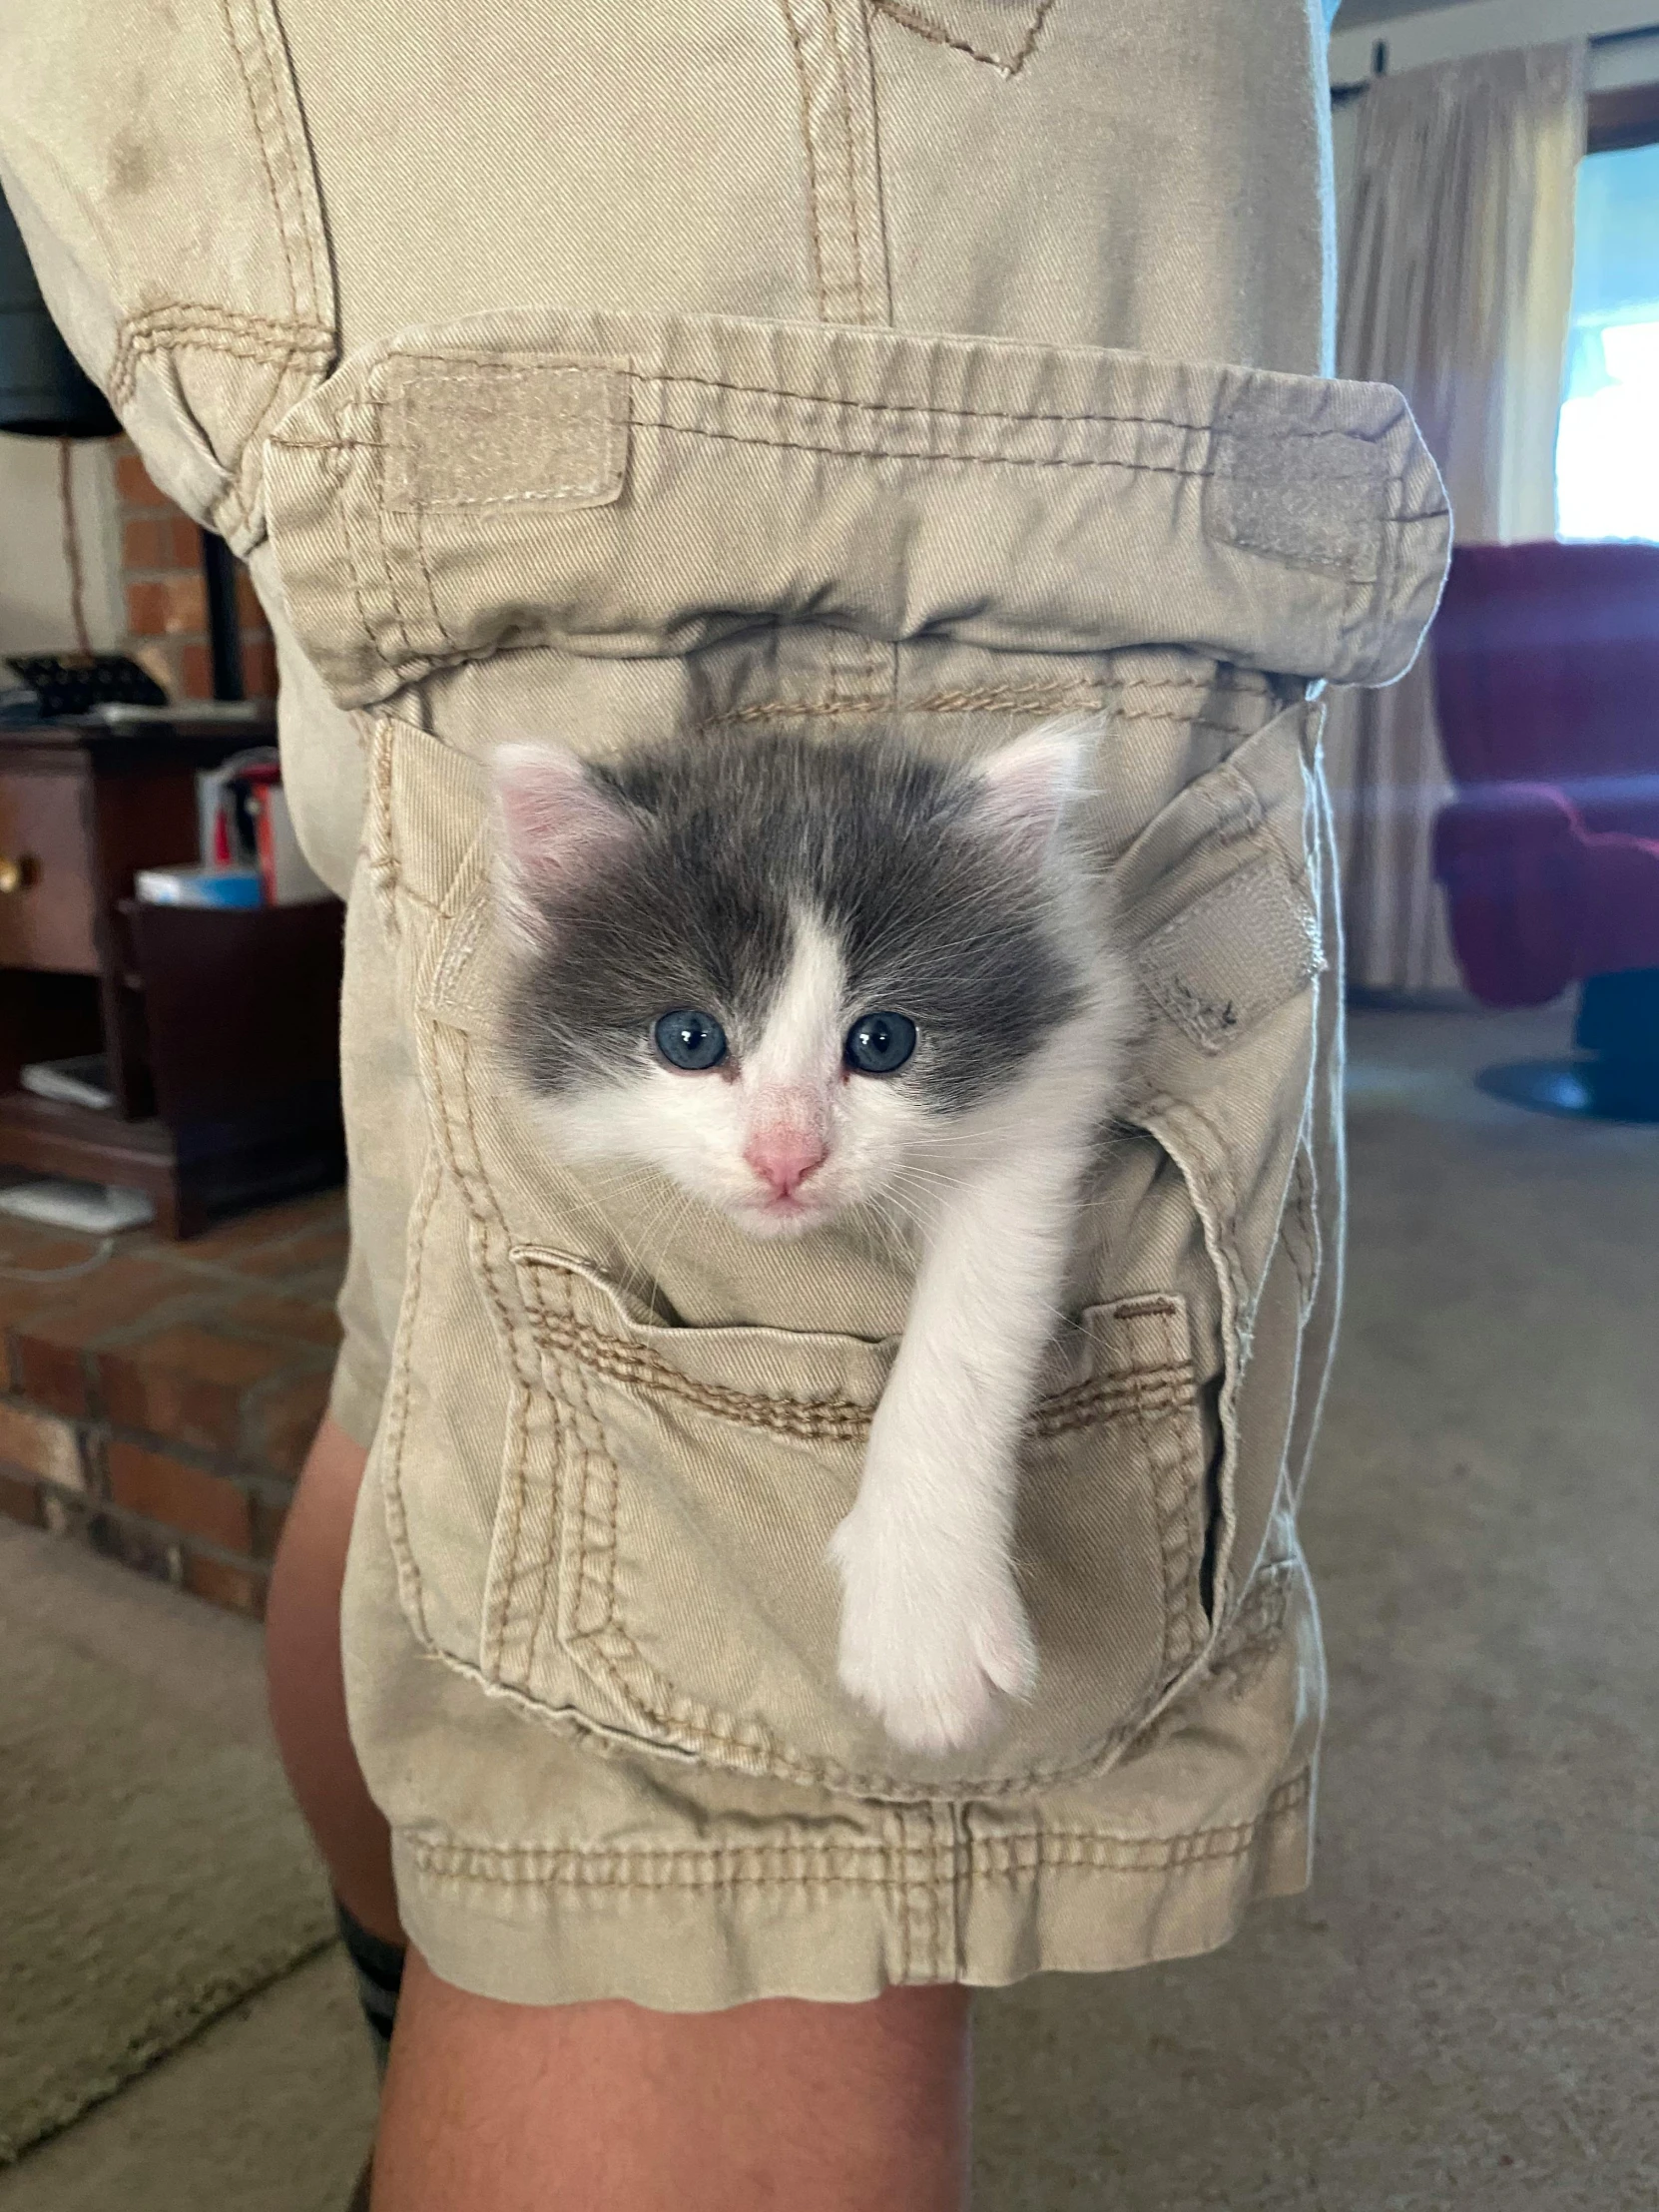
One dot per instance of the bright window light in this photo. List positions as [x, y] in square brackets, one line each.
[1607, 452]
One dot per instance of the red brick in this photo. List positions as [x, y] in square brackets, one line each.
[146, 610]
[186, 1383]
[237, 1589]
[285, 1419]
[131, 480]
[147, 542]
[195, 672]
[41, 1445]
[294, 1319]
[48, 1344]
[20, 1500]
[185, 543]
[248, 601]
[173, 606]
[181, 1497]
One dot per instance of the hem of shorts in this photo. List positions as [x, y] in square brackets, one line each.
[703, 1928]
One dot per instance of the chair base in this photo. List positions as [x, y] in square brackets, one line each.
[1581, 1090]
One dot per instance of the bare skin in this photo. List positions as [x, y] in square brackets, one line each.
[492, 2107]
[306, 1691]
[779, 2104]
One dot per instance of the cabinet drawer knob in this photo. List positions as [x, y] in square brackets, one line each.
[16, 874]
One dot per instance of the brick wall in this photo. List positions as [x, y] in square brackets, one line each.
[158, 1406]
[166, 599]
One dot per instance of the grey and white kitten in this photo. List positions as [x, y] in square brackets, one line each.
[799, 976]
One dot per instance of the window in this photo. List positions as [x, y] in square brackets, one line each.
[1607, 451]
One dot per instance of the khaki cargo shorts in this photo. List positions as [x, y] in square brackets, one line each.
[692, 367]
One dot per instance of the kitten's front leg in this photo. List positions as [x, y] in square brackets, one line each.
[932, 1623]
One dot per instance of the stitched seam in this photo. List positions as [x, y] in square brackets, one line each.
[934, 411]
[227, 13]
[276, 74]
[850, 152]
[382, 519]
[812, 215]
[1010, 64]
[501, 1612]
[136, 343]
[451, 644]
[880, 453]
[559, 1435]
[301, 175]
[192, 314]
[1032, 698]
[354, 572]
[384, 871]
[397, 1423]
[836, 1865]
[840, 1419]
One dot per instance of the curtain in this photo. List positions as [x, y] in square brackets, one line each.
[1457, 287]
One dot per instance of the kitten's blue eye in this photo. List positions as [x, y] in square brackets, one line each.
[687, 1039]
[879, 1044]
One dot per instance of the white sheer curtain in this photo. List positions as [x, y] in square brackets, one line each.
[1457, 287]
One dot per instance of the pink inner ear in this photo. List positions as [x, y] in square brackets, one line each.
[557, 825]
[1029, 784]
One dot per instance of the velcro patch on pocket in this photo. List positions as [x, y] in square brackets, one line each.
[1312, 497]
[482, 434]
[1233, 956]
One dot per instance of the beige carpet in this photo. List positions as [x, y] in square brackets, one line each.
[152, 1867]
[1465, 2011]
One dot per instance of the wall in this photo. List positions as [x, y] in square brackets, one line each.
[141, 566]
[34, 570]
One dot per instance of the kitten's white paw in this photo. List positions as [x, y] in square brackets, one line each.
[926, 1640]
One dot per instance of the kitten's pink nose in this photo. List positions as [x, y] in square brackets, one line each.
[784, 1158]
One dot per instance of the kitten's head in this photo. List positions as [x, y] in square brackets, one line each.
[792, 974]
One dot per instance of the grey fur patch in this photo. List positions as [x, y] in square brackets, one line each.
[936, 916]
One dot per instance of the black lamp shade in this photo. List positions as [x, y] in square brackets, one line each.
[43, 390]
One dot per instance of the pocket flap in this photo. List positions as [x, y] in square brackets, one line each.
[636, 485]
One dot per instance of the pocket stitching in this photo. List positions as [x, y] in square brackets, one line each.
[646, 1694]
[1009, 65]
[1080, 1405]
[396, 1431]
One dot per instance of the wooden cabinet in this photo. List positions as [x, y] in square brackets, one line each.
[46, 904]
[219, 1027]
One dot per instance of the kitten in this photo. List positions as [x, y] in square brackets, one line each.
[801, 976]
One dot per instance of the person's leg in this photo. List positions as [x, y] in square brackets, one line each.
[308, 1695]
[494, 2107]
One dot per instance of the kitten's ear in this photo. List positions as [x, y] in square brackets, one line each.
[556, 825]
[1030, 784]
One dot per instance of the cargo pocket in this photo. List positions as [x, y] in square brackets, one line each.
[610, 1500]
[660, 1548]
[1220, 898]
[635, 1545]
